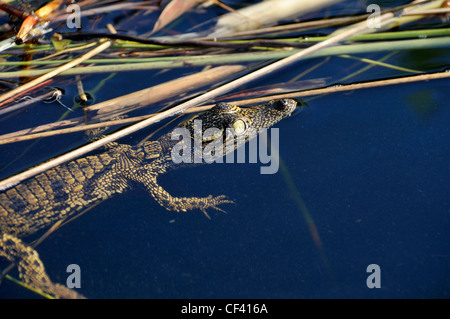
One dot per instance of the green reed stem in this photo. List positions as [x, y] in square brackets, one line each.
[180, 62]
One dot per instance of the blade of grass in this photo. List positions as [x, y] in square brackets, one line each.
[365, 68]
[380, 63]
[38, 291]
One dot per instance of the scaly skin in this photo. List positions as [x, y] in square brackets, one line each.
[65, 190]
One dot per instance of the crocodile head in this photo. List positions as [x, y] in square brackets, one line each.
[228, 126]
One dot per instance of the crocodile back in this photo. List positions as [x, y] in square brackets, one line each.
[57, 193]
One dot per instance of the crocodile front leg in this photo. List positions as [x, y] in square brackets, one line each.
[179, 204]
[31, 268]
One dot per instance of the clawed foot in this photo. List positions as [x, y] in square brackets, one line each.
[212, 202]
[203, 203]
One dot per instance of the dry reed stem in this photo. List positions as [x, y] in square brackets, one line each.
[348, 87]
[45, 127]
[294, 26]
[170, 89]
[55, 72]
[328, 90]
[16, 137]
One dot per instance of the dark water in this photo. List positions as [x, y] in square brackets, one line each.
[372, 173]
[372, 167]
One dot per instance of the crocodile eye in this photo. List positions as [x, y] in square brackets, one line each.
[239, 127]
[282, 104]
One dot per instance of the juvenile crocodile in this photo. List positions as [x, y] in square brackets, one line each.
[65, 190]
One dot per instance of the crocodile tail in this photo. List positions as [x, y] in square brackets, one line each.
[31, 268]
